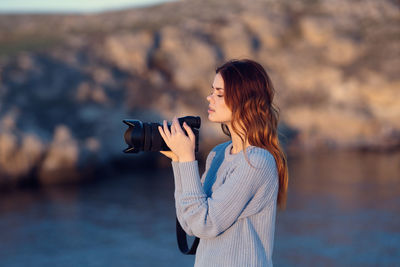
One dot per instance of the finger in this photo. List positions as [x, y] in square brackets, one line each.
[173, 128]
[160, 129]
[189, 131]
[164, 153]
[166, 131]
[170, 155]
[176, 124]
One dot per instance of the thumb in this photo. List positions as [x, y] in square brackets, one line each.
[169, 154]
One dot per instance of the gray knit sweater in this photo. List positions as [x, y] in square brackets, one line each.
[231, 208]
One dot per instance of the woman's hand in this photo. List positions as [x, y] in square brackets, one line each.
[181, 146]
[170, 155]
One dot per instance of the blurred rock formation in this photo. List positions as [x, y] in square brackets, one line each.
[64, 92]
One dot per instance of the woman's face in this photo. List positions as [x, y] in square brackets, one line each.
[217, 110]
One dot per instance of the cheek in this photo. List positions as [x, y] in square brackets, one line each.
[221, 103]
[222, 107]
[225, 111]
[225, 107]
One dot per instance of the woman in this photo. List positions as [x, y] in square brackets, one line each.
[232, 207]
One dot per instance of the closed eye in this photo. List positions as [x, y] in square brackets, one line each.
[212, 91]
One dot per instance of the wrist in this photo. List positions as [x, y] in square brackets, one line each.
[187, 158]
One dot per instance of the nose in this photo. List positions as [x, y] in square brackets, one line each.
[209, 98]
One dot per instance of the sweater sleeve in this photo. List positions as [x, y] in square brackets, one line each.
[178, 189]
[177, 176]
[178, 192]
[207, 217]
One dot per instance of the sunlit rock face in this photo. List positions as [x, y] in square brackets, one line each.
[65, 92]
[60, 162]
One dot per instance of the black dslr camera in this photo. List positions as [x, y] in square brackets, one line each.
[144, 136]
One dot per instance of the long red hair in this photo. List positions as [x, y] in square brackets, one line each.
[249, 94]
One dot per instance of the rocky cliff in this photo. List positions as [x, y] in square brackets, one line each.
[67, 81]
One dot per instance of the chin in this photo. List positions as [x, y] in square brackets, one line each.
[215, 120]
[210, 118]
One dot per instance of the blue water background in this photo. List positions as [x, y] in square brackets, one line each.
[343, 210]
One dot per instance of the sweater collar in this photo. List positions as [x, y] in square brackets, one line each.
[229, 156]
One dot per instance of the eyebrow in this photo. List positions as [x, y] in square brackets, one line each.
[218, 88]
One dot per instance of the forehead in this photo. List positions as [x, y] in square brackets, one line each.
[218, 81]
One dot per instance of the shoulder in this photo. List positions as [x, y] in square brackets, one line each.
[258, 167]
[260, 157]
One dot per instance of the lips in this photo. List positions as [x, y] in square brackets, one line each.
[209, 108]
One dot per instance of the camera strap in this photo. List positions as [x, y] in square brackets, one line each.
[182, 241]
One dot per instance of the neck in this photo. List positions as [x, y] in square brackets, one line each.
[236, 141]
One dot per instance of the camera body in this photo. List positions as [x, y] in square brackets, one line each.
[144, 136]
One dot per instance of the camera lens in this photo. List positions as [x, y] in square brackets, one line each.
[144, 136]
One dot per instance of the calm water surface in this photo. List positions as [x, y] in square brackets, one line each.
[343, 210]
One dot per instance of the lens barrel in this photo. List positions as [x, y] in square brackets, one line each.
[144, 136]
